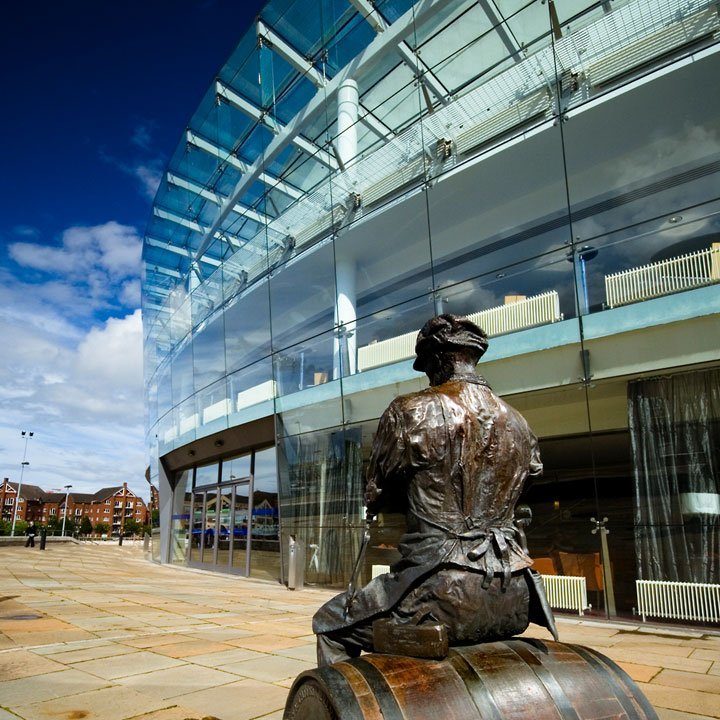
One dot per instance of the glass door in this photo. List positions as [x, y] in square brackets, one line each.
[209, 545]
[240, 523]
[196, 534]
[224, 529]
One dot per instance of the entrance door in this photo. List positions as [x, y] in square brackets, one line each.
[224, 526]
[235, 520]
[240, 524]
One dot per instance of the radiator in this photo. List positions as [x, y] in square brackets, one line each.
[216, 410]
[678, 600]
[566, 592]
[663, 277]
[255, 395]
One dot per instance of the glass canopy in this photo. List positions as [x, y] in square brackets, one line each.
[257, 177]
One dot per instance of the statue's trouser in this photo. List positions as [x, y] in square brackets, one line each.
[453, 597]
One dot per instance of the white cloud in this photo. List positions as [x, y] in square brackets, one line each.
[91, 268]
[72, 369]
[149, 176]
[82, 398]
[112, 247]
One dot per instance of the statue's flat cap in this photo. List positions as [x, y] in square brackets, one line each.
[448, 332]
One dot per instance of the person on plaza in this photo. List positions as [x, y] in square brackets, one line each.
[30, 532]
[460, 456]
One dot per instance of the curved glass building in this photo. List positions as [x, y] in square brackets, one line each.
[551, 169]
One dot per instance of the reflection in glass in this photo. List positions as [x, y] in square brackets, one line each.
[236, 468]
[209, 529]
[206, 475]
[240, 528]
[224, 527]
[196, 538]
[265, 526]
[180, 524]
[321, 493]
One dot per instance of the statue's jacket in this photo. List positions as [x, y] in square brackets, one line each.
[462, 456]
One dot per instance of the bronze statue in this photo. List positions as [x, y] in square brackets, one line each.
[462, 456]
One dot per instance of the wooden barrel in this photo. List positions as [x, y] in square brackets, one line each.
[518, 678]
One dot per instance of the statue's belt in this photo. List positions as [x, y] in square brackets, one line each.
[500, 539]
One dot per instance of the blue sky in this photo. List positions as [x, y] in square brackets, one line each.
[96, 95]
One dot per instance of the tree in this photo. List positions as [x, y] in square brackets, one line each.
[54, 525]
[100, 528]
[132, 526]
[85, 526]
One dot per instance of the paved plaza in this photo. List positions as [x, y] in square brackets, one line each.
[99, 633]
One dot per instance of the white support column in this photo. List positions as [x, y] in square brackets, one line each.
[348, 103]
[345, 343]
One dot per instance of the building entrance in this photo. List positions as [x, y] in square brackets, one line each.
[234, 516]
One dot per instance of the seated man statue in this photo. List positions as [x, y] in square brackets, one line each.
[461, 456]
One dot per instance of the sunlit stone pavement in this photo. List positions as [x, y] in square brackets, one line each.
[98, 632]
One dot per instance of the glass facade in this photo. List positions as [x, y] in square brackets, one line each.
[551, 170]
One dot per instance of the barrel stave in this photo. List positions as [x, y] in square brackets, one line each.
[517, 679]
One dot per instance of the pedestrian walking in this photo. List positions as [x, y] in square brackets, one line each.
[31, 532]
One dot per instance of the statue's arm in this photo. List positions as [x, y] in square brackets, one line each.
[386, 459]
[535, 469]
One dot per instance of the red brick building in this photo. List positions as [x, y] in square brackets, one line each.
[28, 507]
[113, 506]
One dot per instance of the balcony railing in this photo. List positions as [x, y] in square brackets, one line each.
[663, 277]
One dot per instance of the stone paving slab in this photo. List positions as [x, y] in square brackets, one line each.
[119, 638]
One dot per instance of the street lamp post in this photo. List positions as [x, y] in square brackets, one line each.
[23, 464]
[67, 495]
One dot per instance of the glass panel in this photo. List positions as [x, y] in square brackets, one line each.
[196, 538]
[303, 309]
[209, 529]
[206, 475]
[321, 485]
[224, 527]
[247, 327]
[563, 501]
[180, 524]
[645, 204]
[209, 352]
[236, 468]
[265, 545]
[240, 527]
[251, 391]
[305, 365]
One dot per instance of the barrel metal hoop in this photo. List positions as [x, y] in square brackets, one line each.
[481, 696]
[617, 679]
[381, 689]
[340, 688]
[561, 700]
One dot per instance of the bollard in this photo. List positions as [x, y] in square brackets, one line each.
[43, 537]
[120, 540]
[296, 565]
